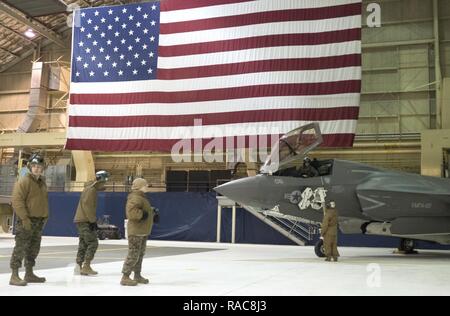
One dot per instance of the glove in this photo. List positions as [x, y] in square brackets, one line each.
[26, 222]
[144, 216]
[156, 216]
[93, 227]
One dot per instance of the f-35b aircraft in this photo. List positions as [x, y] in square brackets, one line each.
[369, 200]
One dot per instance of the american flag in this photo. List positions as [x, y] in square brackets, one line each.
[143, 73]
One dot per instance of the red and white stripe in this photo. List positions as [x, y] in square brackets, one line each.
[244, 68]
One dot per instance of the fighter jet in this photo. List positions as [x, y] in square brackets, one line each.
[370, 200]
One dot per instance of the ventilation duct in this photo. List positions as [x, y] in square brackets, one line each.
[38, 99]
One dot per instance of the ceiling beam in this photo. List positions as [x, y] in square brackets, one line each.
[32, 23]
[29, 52]
[18, 34]
[8, 52]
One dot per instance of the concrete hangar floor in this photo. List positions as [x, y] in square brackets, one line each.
[209, 269]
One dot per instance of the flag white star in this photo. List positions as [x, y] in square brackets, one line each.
[114, 65]
[136, 56]
[124, 26]
[145, 16]
[124, 10]
[143, 63]
[145, 31]
[88, 50]
[138, 24]
[103, 20]
[102, 35]
[89, 36]
[110, 12]
[77, 74]
[130, 48]
[131, 17]
[138, 40]
[86, 65]
[153, 23]
[144, 47]
[122, 57]
[117, 19]
[96, 28]
[150, 71]
[83, 14]
[153, 7]
[106, 74]
[129, 64]
[96, 13]
[152, 39]
[117, 34]
[92, 74]
[109, 42]
[116, 49]
[123, 41]
[82, 30]
[100, 65]
[93, 58]
[131, 32]
[79, 58]
[151, 55]
[89, 21]
[135, 72]
[94, 43]
[81, 44]
[107, 57]
[120, 73]
[139, 9]
[110, 27]
[102, 50]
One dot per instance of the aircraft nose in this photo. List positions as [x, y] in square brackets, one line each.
[243, 191]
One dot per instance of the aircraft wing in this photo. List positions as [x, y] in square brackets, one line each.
[390, 196]
[421, 226]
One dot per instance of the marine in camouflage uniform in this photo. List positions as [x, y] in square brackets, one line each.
[140, 215]
[86, 221]
[329, 232]
[30, 204]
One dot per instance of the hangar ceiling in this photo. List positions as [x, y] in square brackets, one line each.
[47, 19]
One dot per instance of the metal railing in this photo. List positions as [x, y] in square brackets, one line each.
[303, 230]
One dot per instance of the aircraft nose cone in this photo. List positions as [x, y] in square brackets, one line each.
[243, 191]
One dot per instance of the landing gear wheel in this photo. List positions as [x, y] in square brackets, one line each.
[101, 236]
[5, 221]
[407, 246]
[319, 249]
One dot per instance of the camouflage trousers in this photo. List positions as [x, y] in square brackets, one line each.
[136, 252]
[28, 243]
[330, 246]
[88, 244]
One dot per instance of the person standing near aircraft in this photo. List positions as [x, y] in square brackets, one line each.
[329, 232]
[140, 216]
[86, 221]
[30, 204]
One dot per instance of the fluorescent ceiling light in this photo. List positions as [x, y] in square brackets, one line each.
[30, 33]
